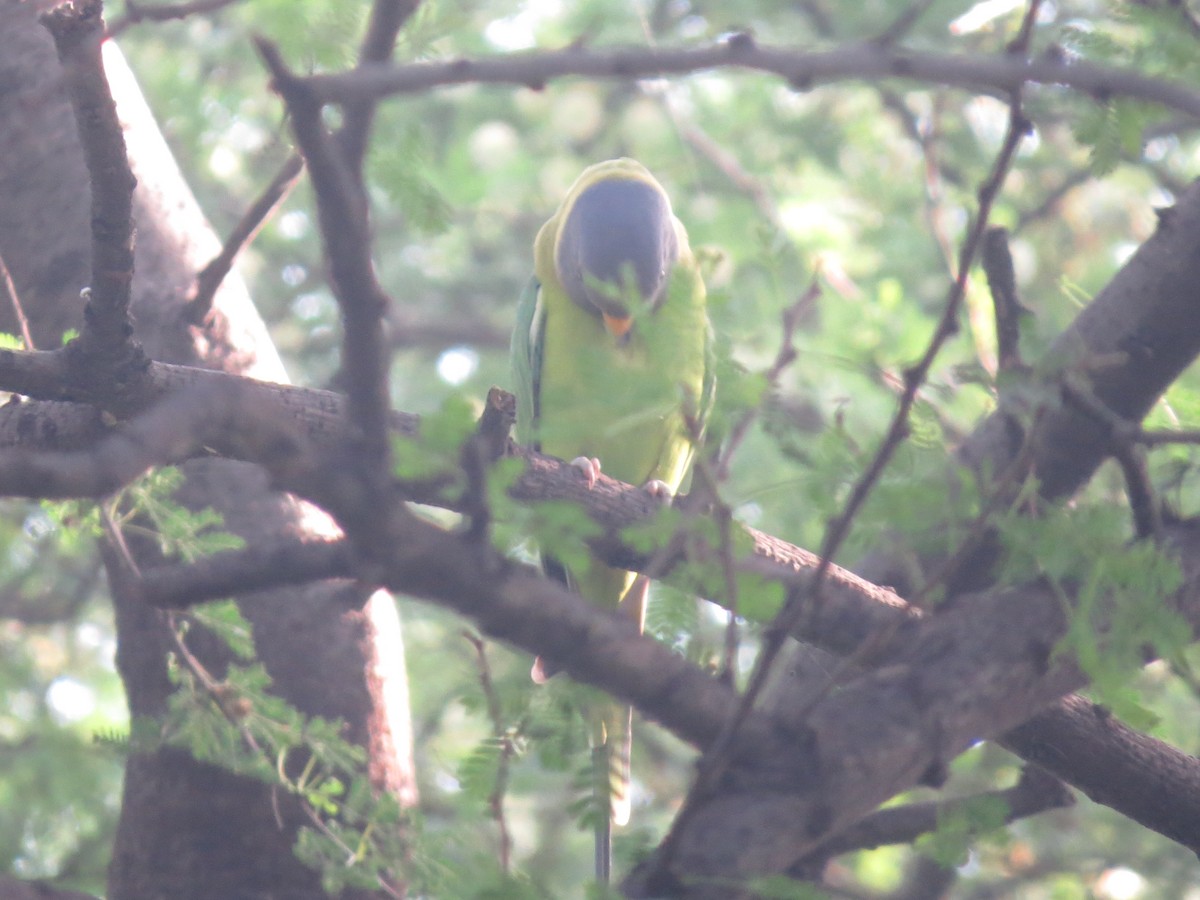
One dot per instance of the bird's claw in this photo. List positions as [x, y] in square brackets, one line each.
[590, 467]
[659, 490]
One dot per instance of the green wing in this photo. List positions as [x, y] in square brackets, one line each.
[526, 350]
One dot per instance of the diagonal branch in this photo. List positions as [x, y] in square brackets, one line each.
[210, 277]
[1035, 792]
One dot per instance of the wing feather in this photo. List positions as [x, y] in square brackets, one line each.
[527, 352]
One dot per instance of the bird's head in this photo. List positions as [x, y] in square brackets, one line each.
[616, 246]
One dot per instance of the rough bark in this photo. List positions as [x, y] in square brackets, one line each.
[188, 829]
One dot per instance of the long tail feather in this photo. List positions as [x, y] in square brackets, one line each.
[600, 768]
[618, 723]
[619, 749]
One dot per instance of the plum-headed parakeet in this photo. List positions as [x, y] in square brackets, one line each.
[610, 355]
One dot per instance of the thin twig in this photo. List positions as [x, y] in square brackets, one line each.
[1035, 792]
[1158, 438]
[387, 18]
[791, 319]
[903, 23]
[210, 277]
[1144, 502]
[351, 853]
[507, 747]
[10, 289]
[709, 484]
[1004, 493]
[1051, 198]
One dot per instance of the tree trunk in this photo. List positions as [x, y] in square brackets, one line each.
[187, 829]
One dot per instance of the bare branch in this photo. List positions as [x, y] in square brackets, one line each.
[792, 317]
[136, 12]
[170, 432]
[387, 18]
[107, 337]
[210, 277]
[254, 567]
[1129, 454]
[1144, 778]
[507, 750]
[1036, 792]
[14, 300]
[1131, 342]
[968, 674]
[903, 23]
[346, 234]
[1159, 438]
[999, 75]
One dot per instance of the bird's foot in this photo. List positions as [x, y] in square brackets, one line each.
[590, 467]
[659, 490]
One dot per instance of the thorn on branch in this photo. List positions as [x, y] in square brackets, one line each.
[740, 42]
[1165, 216]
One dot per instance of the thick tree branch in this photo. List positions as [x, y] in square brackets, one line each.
[969, 674]
[258, 566]
[1146, 779]
[1130, 343]
[107, 338]
[173, 431]
[999, 75]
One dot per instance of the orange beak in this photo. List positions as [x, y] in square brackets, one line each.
[618, 326]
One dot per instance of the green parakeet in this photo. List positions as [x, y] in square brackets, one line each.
[610, 356]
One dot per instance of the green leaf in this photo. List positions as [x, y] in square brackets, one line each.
[959, 824]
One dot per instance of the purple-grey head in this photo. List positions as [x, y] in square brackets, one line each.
[618, 242]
